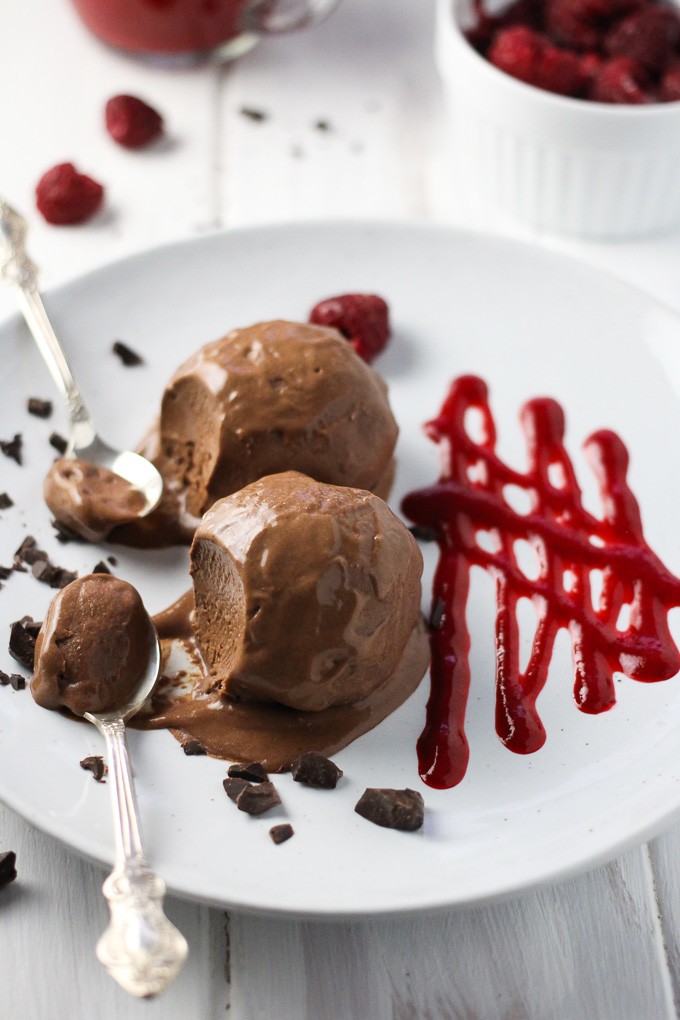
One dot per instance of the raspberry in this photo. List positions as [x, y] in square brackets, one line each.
[620, 80]
[363, 319]
[581, 24]
[650, 36]
[132, 122]
[528, 56]
[670, 85]
[64, 196]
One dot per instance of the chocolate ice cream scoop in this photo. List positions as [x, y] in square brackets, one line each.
[90, 500]
[306, 594]
[93, 648]
[272, 397]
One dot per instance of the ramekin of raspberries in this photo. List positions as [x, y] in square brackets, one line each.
[565, 113]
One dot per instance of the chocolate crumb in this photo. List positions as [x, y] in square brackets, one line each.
[423, 534]
[22, 637]
[101, 568]
[58, 442]
[12, 680]
[280, 833]
[250, 113]
[255, 772]
[112, 560]
[323, 125]
[193, 747]
[234, 787]
[39, 408]
[8, 871]
[12, 447]
[255, 800]
[5, 501]
[313, 769]
[95, 764]
[437, 615]
[393, 809]
[129, 357]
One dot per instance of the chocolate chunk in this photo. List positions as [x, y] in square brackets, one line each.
[8, 871]
[39, 408]
[5, 501]
[102, 568]
[313, 769]
[129, 357]
[12, 447]
[255, 800]
[234, 787]
[437, 615]
[423, 534]
[255, 772]
[12, 680]
[58, 442]
[41, 567]
[28, 551]
[393, 809]
[280, 833]
[193, 747]
[22, 637]
[112, 560]
[95, 764]
[250, 113]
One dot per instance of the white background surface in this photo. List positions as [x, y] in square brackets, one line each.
[605, 945]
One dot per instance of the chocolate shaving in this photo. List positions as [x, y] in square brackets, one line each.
[14, 680]
[193, 747]
[437, 615]
[5, 501]
[313, 769]
[254, 772]
[22, 637]
[423, 534]
[8, 871]
[392, 809]
[280, 833]
[39, 408]
[12, 447]
[129, 357]
[95, 764]
[58, 442]
[101, 568]
[250, 113]
[41, 567]
[254, 800]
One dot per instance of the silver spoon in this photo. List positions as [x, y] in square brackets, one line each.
[18, 270]
[141, 949]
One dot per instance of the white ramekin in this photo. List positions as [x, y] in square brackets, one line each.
[566, 165]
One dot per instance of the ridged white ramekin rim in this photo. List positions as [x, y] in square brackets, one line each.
[570, 166]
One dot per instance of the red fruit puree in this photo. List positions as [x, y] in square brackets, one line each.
[569, 543]
[163, 26]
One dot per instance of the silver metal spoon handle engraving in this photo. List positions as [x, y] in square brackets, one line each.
[141, 949]
[21, 273]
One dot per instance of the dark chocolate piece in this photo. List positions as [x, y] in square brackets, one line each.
[255, 800]
[8, 871]
[254, 772]
[101, 568]
[28, 551]
[313, 769]
[233, 787]
[22, 637]
[437, 615]
[12, 680]
[5, 501]
[39, 408]
[423, 534]
[393, 809]
[129, 357]
[280, 833]
[95, 764]
[112, 560]
[12, 447]
[58, 442]
[41, 567]
[252, 114]
[193, 747]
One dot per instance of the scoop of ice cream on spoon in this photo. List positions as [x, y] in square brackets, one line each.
[97, 654]
[138, 484]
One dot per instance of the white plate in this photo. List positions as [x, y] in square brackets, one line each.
[531, 323]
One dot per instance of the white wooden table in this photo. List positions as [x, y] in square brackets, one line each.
[604, 946]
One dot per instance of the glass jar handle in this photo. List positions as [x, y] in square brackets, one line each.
[273, 16]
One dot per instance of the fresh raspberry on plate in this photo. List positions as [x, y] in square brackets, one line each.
[65, 196]
[620, 80]
[132, 122]
[363, 319]
[650, 36]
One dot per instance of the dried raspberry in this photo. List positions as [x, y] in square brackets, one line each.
[526, 55]
[64, 196]
[650, 36]
[363, 319]
[669, 91]
[132, 122]
[620, 80]
[581, 24]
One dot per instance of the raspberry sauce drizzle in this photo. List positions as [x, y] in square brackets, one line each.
[569, 542]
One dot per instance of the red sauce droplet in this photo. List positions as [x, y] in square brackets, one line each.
[468, 499]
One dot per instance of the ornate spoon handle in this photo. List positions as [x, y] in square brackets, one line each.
[141, 949]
